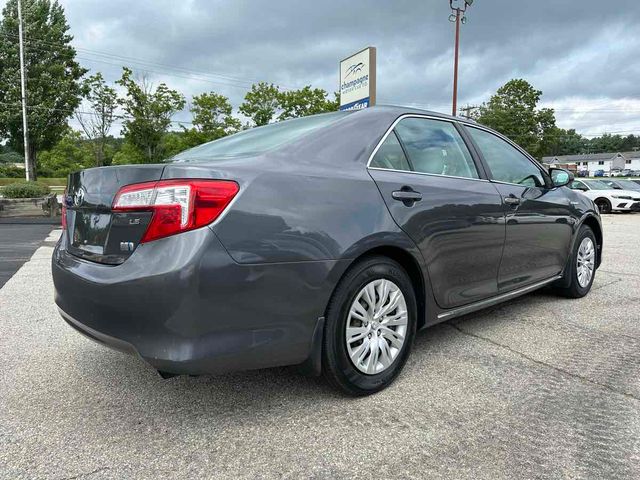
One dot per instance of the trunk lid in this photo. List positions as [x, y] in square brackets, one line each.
[94, 231]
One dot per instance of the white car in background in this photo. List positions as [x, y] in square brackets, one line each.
[606, 198]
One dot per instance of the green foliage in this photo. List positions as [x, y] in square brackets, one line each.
[149, 114]
[261, 103]
[566, 142]
[11, 171]
[103, 101]
[306, 101]
[53, 75]
[25, 190]
[513, 112]
[11, 157]
[128, 154]
[71, 154]
[212, 116]
[265, 103]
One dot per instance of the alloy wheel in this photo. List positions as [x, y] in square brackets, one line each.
[376, 326]
[603, 206]
[585, 264]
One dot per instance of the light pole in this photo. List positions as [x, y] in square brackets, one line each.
[457, 16]
[30, 174]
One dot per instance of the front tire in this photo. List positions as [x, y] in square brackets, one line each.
[582, 269]
[370, 326]
[604, 205]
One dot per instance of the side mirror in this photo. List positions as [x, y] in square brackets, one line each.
[560, 177]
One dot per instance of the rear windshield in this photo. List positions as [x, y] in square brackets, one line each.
[260, 139]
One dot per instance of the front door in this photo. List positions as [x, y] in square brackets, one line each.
[539, 217]
[435, 193]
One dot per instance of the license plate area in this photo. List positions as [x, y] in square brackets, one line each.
[91, 231]
[108, 238]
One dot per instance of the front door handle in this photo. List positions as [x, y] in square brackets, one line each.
[407, 195]
[512, 200]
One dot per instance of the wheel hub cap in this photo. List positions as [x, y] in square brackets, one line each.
[376, 326]
[585, 264]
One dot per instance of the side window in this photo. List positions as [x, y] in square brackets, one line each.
[390, 155]
[506, 163]
[578, 185]
[436, 147]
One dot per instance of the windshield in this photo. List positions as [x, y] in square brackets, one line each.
[260, 139]
[628, 185]
[598, 185]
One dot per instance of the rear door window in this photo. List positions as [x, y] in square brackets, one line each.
[390, 155]
[436, 147]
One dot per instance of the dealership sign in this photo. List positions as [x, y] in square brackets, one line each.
[358, 80]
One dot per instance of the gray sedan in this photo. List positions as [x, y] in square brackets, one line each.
[324, 242]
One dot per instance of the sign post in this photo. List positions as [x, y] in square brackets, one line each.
[358, 80]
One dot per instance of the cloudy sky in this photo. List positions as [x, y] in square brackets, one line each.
[584, 55]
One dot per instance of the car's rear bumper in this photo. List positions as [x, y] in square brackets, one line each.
[186, 307]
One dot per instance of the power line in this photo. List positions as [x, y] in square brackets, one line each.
[233, 81]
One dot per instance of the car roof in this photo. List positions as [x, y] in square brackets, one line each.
[408, 110]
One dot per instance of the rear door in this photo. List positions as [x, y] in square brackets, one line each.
[539, 217]
[436, 193]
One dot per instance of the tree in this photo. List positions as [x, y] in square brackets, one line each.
[8, 155]
[96, 124]
[607, 143]
[70, 154]
[306, 101]
[513, 112]
[148, 114]
[566, 142]
[53, 75]
[261, 103]
[212, 116]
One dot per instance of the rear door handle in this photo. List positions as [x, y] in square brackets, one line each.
[407, 196]
[512, 200]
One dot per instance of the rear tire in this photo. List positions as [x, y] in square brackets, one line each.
[582, 267]
[370, 355]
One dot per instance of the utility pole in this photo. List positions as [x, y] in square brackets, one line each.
[457, 16]
[23, 83]
[467, 111]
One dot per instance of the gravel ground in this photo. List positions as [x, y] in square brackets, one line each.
[541, 387]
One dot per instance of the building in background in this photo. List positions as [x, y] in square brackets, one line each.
[590, 163]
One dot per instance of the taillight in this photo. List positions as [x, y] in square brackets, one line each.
[177, 205]
[63, 211]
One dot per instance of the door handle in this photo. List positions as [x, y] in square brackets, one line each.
[407, 195]
[512, 200]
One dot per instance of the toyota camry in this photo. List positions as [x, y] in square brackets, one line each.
[324, 242]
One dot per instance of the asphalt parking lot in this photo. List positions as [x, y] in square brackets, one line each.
[541, 387]
[18, 241]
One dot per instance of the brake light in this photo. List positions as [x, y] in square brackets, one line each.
[63, 210]
[63, 217]
[177, 205]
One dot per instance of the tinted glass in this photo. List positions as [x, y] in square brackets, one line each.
[436, 147]
[577, 185]
[260, 139]
[390, 155]
[507, 164]
[598, 185]
[629, 185]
